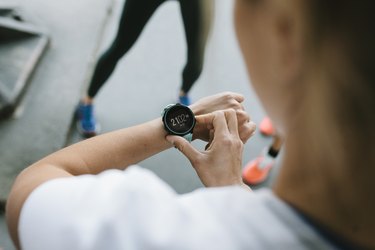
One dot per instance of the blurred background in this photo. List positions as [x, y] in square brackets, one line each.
[47, 53]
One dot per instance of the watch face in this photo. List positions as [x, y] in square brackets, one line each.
[179, 120]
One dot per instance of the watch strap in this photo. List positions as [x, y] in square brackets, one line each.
[188, 137]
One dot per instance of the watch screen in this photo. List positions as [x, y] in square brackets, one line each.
[180, 119]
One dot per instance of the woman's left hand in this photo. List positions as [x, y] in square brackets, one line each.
[220, 101]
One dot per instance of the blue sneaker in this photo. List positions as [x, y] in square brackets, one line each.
[86, 124]
[184, 100]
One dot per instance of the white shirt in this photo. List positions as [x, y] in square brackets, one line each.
[134, 209]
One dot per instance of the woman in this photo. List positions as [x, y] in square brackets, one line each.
[310, 62]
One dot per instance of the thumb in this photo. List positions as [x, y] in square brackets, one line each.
[183, 145]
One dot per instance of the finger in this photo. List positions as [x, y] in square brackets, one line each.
[236, 105]
[183, 146]
[205, 121]
[253, 128]
[202, 126]
[247, 131]
[231, 118]
[242, 116]
[236, 101]
[219, 122]
[212, 133]
[238, 97]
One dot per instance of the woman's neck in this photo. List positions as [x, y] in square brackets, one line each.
[329, 193]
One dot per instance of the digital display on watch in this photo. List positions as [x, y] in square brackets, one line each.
[179, 119]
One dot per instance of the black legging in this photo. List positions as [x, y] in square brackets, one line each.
[135, 15]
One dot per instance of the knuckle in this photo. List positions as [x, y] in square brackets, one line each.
[239, 145]
[242, 115]
[231, 111]
[181, 147]
[227, 95]
[234, 104]
[196, 161]
[219, 113]
[232, 143]
[226, 142]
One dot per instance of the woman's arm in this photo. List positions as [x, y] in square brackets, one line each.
[117, 149]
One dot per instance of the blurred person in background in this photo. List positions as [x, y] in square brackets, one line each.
[257, 170]
[311, 64]
[197, 18]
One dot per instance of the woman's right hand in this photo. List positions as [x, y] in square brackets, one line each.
[203, 126]
[204, 107]
[221, 162]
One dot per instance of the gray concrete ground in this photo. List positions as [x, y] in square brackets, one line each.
[146, 79]
[41, 123]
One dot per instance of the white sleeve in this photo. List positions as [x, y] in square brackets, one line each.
[134, 209]
[107, 211]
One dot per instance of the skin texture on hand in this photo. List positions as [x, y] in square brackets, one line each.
[220, 163]
[220, 101]
[204, 128]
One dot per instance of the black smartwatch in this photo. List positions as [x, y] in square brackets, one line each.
[179, 120]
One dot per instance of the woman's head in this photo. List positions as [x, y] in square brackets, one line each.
[312, 64]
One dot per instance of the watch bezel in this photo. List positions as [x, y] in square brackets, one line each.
[165, 114]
